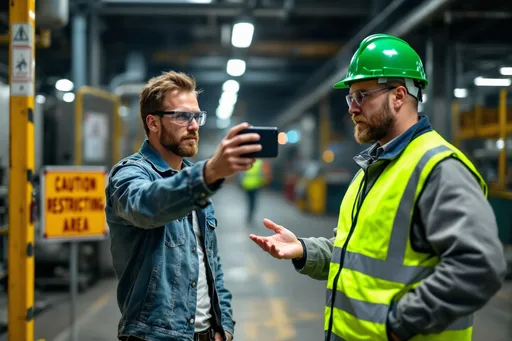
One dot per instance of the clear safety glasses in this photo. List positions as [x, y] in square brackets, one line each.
[358, 96]
[184, 118]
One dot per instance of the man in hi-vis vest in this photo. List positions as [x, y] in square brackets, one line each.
[416, 250]
[252, 181]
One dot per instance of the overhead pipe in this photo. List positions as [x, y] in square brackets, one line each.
[135, 71]
[411, 21]
[345, 52]
[79, 54]
[423, 11]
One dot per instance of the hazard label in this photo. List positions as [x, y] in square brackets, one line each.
[21, 34]
[22, 83]
[21, 64]
[73, 203]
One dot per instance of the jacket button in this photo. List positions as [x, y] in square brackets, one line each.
[194, 249]
[193, 284]
[191, 321]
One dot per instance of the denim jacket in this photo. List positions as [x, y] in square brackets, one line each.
[149, 208]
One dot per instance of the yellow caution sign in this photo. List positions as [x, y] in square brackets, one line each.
[73, 203]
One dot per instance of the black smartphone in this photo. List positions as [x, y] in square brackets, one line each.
[268, 141]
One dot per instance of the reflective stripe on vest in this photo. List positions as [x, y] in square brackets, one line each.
[379, 265]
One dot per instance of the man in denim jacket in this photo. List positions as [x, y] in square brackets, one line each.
[162, 222]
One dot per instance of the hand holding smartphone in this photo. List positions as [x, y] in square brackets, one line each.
[268, 141]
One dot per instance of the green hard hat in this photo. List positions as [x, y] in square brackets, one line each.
[384, 56]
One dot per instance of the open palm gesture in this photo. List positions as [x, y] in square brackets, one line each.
[283, 244]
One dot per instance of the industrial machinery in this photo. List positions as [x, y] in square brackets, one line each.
[485, 135]
[65, 135]
[85, 131]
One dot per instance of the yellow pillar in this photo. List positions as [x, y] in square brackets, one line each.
[21, 170]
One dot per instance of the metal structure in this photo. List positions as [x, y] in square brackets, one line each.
[84, 132]
[484, 133]
[97, 127]
[21, 171]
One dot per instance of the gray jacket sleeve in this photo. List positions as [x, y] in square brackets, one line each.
[316, 260]
[458, 225]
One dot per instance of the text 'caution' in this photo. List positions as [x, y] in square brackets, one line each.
[74, 203]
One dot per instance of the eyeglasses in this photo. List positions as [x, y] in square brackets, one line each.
[184, 118]
[359, 95]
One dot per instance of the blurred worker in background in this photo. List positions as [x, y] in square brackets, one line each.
[416, 249]
[252, 181]
[162, 222]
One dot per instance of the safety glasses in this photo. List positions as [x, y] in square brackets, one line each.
[184, 118]
[358, 96]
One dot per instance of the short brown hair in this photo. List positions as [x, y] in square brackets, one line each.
[153, 93]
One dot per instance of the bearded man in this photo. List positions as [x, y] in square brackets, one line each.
[416, 250]
[162, 222]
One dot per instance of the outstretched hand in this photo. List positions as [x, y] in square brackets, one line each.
[283, 244]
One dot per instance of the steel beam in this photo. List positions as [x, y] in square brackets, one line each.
[217, 77]
[292, 49]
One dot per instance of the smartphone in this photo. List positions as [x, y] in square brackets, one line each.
[268, 141]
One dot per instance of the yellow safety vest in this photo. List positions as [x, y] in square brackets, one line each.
[372, 243]
[254, 178]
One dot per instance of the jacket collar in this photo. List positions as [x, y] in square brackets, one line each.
[395, 147]
[155, 159]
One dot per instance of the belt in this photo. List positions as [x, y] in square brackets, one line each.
[205, 335]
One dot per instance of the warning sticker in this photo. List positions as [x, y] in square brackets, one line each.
[22, 34]
[73, 203]
[21, 68]
[22, 71]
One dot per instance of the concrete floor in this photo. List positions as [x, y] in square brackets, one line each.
[271, 301]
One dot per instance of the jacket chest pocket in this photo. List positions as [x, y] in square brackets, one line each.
[175, 233]
[211, 240]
